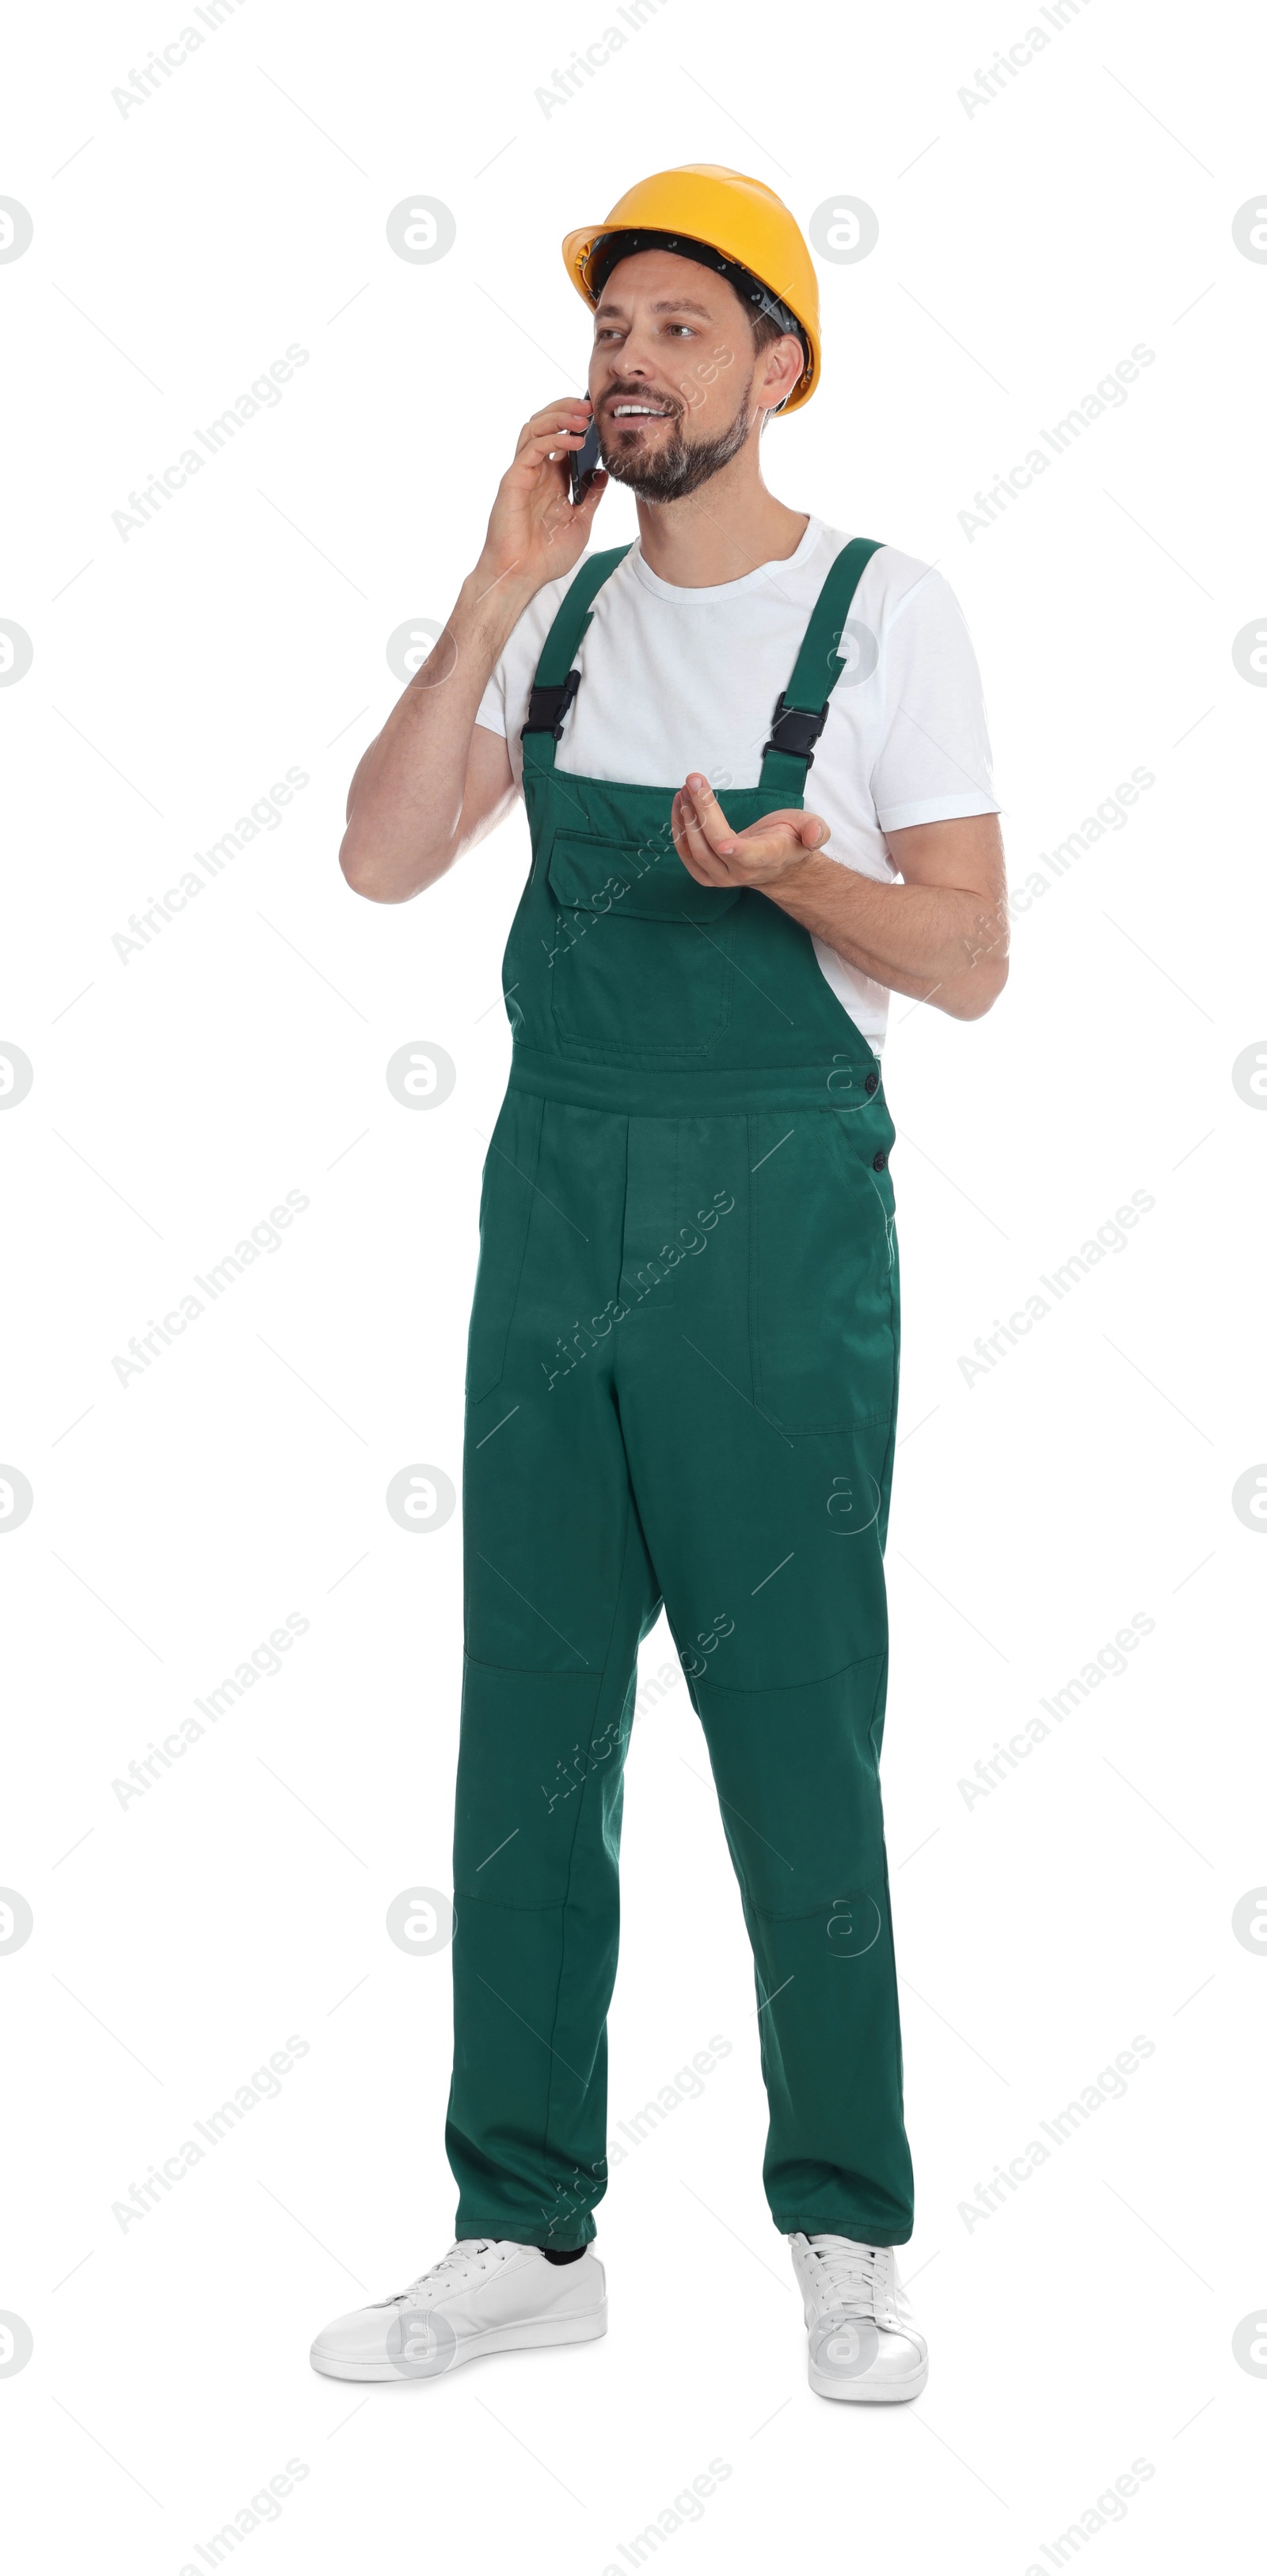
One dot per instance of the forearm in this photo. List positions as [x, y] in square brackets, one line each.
[404, 812]
[939, 944]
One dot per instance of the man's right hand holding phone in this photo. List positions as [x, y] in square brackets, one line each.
[434, 781]
[536, 532]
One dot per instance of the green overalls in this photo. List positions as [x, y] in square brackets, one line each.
[681, 1387]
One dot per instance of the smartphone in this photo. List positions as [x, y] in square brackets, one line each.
[582, 463]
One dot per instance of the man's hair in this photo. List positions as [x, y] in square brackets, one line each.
[765, 331]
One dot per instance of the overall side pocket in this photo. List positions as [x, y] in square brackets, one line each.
[510, 1171]
[823, 1271]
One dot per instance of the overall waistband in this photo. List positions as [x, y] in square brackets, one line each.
[675, 1091]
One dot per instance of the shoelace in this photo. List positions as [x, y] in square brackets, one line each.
[847, 2276]
[459, 2257]
[850, 2275]
[854, 2276]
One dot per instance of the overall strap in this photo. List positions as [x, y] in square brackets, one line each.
[801, 712]
[556, 683]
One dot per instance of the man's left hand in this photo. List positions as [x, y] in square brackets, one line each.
[765, 855]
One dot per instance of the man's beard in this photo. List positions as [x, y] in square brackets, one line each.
[680, 466]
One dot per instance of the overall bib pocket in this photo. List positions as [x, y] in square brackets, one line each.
[510, 1168]
[824, 1339]
[641, 963]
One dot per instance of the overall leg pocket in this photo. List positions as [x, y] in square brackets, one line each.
[823, 1277]
[510, 1170]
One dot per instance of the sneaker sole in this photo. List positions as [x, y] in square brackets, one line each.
[876, 2392]
[531, 2335]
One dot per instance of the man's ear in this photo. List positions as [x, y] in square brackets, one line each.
[784, 364]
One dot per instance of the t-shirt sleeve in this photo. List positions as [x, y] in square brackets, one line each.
[933, 760]
[504, 705]
[503, 708]
[491, 711]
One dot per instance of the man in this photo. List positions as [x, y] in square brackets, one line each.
[682, 1369]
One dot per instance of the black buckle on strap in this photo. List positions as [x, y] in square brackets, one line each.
[548, 707]
[796, 729]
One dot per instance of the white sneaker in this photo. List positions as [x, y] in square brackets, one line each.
[863, 2342]
[485, 2295]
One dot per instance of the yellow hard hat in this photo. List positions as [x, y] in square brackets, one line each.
[740, 222]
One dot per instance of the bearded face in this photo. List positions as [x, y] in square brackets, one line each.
[664, 464]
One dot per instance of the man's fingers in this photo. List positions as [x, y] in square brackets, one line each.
[547, 443]
[551, 414]
[717, 855]
[686, 836]
[568, 414]
[696, 839]
[692, 847]
[708, 814]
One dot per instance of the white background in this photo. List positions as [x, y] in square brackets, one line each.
[1023, 250]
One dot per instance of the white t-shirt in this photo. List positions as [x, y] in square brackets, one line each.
[675, 680]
